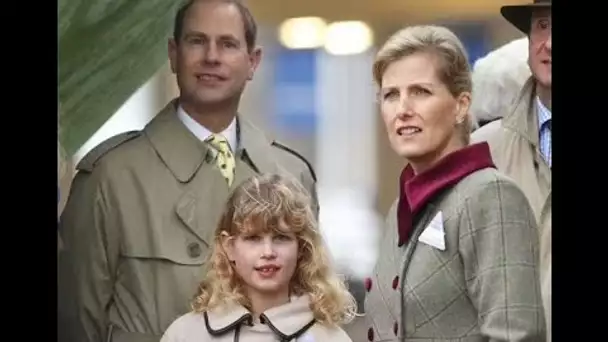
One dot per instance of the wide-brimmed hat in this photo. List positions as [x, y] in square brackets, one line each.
[521, 15]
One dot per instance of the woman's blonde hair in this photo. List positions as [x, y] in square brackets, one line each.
[453, 64]
[262, 204]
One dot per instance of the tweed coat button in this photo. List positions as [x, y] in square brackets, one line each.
[370, 334]
[368, 284]
[194, 250]
[395, 282]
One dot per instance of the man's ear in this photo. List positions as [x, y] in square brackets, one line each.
[228, 245]
[172, 52]
[255, 57]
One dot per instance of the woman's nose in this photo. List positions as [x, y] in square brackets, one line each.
[404, 109]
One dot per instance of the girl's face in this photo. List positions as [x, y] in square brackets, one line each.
[265, 262]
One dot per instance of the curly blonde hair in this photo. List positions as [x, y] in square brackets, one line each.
[263, 204]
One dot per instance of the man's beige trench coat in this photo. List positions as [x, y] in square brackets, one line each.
[139, 223]
[482, 286]
[514, 144]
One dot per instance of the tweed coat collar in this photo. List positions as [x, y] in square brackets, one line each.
[417, 190]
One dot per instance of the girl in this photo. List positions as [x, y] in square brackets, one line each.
[269, 277]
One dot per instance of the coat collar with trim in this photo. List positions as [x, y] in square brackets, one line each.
[287, 321]
[183, 153]
[523, 118]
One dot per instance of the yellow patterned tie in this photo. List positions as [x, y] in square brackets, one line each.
[223, 156]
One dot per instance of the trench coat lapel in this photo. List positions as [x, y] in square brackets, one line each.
[177, 147]
[184, 155]
[523, 121]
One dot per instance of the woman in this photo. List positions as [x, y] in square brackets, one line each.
[459, 256]
[269, 277]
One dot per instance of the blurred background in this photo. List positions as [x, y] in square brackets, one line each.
[313, 90]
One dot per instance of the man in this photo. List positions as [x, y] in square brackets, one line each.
[521, 141]
[140, 217]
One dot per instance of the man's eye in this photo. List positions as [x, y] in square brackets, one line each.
[229, 44]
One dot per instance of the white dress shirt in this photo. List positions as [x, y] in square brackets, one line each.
[203, 133]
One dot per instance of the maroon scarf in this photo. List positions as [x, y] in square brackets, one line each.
[417, 190]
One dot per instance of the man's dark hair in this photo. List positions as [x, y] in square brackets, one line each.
[249, 25]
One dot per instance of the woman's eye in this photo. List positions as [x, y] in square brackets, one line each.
[389, 95]
[420, 91]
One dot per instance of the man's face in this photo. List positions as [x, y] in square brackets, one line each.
[211, 59]
[539, 53]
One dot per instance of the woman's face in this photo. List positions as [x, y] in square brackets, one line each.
[419, 112]
[266, 262]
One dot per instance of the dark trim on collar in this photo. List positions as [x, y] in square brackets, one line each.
[295, 153]
[245, 319]
[265, 320]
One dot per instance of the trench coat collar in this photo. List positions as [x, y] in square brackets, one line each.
[255, 147]
[287, 321]
[183, 153]
[523, 118]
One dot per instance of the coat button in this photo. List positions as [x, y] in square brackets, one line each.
[194, 250]
[370, 334]
[395, 282]
[368, 284]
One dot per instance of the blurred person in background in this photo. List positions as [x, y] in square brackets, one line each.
[351, 232]
[139, 221]
[270, 277]
[459, 258]
[497, 80]
[521, 141]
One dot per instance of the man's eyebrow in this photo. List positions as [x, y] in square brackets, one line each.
[190, 34]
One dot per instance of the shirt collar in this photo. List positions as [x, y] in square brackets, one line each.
[544, 114]
[202, 133]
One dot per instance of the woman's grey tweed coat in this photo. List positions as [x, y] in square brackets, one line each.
[483, 287]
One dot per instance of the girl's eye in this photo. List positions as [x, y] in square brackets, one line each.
[251, 238]
[282, 237]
